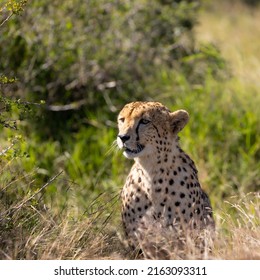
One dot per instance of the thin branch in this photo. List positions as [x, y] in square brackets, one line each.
[58, 108]
[5, 20]
[4, 151]
[68, 107]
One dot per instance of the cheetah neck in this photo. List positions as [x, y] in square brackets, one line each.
[165, 155]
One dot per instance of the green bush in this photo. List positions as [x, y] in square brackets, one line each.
[87, 59]
[98, 55]
[60, 173]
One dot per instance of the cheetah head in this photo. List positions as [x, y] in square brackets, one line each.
[142, 125]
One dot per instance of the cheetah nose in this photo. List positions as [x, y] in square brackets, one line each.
[124, 137]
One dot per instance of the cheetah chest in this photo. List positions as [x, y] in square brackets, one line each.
[167, 195]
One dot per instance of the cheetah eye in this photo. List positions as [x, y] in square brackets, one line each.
[144, 121]
[121, 120]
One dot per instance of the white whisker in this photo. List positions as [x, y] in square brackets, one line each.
[112, 148]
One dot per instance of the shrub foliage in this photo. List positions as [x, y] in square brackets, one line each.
[97, 55]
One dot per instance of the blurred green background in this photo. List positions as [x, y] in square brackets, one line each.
[77, 63]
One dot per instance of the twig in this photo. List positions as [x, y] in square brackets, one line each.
[55, 108]
[5, 20]
[68, 107]
[6, 149]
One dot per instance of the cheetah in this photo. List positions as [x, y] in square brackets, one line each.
[162, 192]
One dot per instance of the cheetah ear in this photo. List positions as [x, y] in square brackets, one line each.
[178, 120]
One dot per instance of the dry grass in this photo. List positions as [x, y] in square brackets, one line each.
[34, 231]
[238, 233]
[38, 234]
[30, 230]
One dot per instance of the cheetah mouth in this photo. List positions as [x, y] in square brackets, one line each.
[134, 151]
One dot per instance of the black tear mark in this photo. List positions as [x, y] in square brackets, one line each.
[157, 131]
[137, 132]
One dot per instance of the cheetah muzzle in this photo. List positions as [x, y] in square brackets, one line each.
[162, 196]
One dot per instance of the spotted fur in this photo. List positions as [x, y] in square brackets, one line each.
[162, 189]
